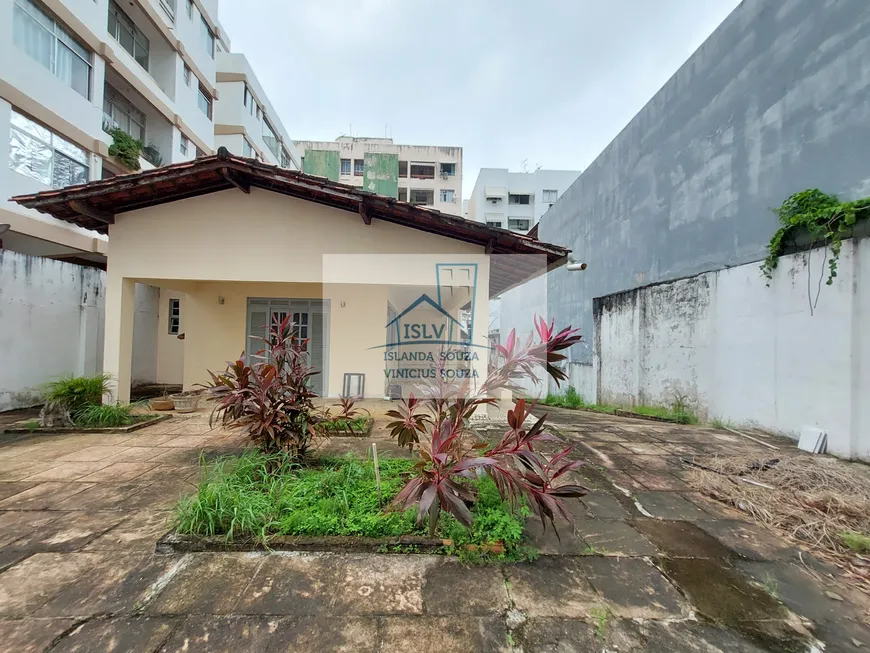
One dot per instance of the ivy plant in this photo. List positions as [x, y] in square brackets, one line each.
[823, 217]
[126, 148]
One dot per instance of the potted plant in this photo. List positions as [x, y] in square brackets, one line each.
[185, 402]
[162, 403]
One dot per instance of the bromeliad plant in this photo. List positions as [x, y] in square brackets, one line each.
[450, 453]
[271, 399]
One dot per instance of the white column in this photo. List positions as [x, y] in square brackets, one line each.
[118, 349]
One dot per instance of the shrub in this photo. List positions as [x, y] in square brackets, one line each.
[271, 401]
[104, 416]
[76, 392]
[126, 148]
[449, 455]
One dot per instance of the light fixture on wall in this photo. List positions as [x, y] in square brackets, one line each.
[574, 266]
[220, 300]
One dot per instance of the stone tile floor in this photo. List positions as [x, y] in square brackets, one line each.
[649, 565]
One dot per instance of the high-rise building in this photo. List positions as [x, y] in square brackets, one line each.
[426, 175]
[516, 200]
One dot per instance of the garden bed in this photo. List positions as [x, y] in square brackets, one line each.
[32, 426]
[256, 502]
[355, 427]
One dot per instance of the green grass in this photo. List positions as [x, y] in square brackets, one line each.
[105, 416]
[31, 425]
[857, 542]
[678, 416]
[570, 399]
[76, 392]
[338, 425]
[257, 496]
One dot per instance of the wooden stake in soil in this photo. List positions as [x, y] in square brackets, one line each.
[377, 473]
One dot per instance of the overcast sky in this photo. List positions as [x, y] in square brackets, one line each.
[549, 82]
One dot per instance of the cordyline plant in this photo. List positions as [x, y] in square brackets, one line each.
[271, 399]
[450, 453]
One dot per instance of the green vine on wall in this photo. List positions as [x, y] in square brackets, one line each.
[126, 148]
[823, 217]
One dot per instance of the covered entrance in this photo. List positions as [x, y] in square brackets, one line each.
[311, 317]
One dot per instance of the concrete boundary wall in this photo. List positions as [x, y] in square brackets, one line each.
[51, 324]
[745, 352]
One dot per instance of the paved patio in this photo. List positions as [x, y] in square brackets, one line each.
[650, 566]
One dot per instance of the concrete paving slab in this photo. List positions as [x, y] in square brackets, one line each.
[386, 585]
[681, 539]
[68, 471]
[748, 540]
[210, 583]
[137, 533]
[120, 472]
[604, 505]
[69, 532]
[614, 538]
[94, 453]
[31, 635]
[11, 488]
[633, 588]
[121, 635]
[451, 588]
[556, 635]
[550, 587]
[328, 634]
[670, 505]
[44, 496]
[28, 585]
[444, 635]
[211, 634]
[17, 524]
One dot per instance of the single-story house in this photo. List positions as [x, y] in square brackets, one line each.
[379, 286]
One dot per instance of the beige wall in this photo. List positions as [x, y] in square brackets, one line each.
[234, 246]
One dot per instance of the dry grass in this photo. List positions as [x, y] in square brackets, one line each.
[817, 501]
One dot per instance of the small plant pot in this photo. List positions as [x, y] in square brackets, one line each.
[162, 404]
[185, 403]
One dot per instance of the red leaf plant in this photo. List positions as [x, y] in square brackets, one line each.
[450, 453]
[272, 398]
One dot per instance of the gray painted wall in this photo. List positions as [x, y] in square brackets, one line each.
[776, 100]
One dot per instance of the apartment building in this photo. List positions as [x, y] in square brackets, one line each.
[516, 200]
[246, 123]
[424, 175]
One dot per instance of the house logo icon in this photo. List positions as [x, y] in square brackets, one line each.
[425, 322]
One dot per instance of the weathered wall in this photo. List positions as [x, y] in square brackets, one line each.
[322, 163]
[51, 324]
[145, 334]
[777, 100]
[748, 353]
[381, 173]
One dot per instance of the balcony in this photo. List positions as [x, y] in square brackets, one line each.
[127, 111]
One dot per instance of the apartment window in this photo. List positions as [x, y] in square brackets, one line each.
[403, 168]
[422, 197]
[286, 161]
[119, 113]
[494, 223]
[168, 7]
[187, 75]
[519, 224]
[359, 167]
[550, 195]
[130, 37]
[190, 9]
[422, 170]
[249, 100]
[185, 143]
[448, 195]
[403, 194]
[37, 152]
[345, 167]
[259, 113]
[204, 101]
[519, 199]
[174, 317]
[271, 139]
[207, 36]
[41, 37]
[448, 169]
[247, 148]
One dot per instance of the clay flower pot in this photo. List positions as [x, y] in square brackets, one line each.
[161, 403]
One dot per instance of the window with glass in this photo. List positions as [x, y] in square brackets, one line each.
[403, 168]
[130, 37]
[187, 75]
[550, 195]
[448, 169]
[204, 101]
[174, 317]
[345, 167]
[168, 7]
[494, 223]
[422, 170]
[271, 139]
[286, 161]
[424, 197]
[190, 9]
[359, 167]
[42, 38]
[247, 148]
[185, 144]
[207, 36]
[37, 152]
[519, 199]
[119, 113]
[519, 224]
[403, 194]
[447, 194]
[249, 100]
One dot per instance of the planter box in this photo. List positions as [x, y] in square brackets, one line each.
[153, 419]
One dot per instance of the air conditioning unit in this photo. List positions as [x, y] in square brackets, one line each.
[444, 175]
[493, 200]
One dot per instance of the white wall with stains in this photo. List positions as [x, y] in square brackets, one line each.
[782, 356]
[51, 324]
